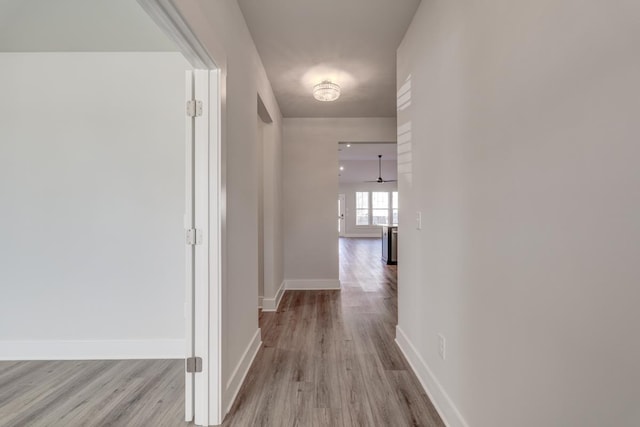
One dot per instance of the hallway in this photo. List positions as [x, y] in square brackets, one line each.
[329, 359]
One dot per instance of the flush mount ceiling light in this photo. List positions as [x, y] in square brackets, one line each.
[326, 91]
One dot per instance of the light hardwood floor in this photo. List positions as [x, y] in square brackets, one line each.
[92, 393]
[328, 359]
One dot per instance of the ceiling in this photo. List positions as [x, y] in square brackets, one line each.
[367, 151]
[352, 43]
[79, 26]
[360, 161]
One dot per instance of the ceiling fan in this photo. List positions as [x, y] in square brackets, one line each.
[380, 180]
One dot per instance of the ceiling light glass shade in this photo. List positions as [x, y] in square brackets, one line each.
[326, 91]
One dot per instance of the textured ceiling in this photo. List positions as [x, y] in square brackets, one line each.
[79, 26]
[352, 42]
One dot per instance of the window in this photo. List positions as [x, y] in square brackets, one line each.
[380, 207]
[362, 208]
[394, 206]
[376, 207]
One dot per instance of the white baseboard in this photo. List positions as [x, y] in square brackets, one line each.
[371, 235]
[312, 284]
[439, 397]
[271, 304]
[240, 372]
[92, 350]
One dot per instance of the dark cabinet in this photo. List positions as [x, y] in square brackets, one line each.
[390, 244]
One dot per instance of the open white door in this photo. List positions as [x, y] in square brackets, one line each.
[202, 366]
[341, 212]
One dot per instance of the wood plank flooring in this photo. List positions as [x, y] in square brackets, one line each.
[92, 393]
[328, 359]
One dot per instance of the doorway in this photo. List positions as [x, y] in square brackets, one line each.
[204, 215]
[367, 192]
[202, 293]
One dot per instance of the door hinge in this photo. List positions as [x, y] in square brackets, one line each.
[194, 364]
[193, 237]
[194, 108]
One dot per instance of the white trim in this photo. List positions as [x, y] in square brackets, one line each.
[242, 368]
[208, 337]
[450, 415]
[368, 235]
[189, 382]
[205, 285]
[312, 284]
[271, 304]
[216, 211]
[208, 299]
[92, 350]
[169, 20]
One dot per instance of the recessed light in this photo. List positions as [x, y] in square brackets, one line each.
[341, 168]
[348, 145]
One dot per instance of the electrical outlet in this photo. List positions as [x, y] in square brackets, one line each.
[442, 347]
[418, 220]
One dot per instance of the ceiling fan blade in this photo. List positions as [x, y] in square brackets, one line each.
[390, 180]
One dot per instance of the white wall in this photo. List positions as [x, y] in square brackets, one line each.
[349, 190]
[92, 198]
[310, 185]
[524, 148]
[79, 26]
[272, 216]
[220, 26]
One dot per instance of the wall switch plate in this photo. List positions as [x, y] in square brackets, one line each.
[442, 347]
[418, 220]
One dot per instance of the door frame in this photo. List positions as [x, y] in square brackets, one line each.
[207, 310]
